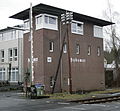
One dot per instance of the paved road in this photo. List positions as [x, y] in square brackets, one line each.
[10, 101]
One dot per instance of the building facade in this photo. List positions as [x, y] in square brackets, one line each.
[85, 54]
[11, 55]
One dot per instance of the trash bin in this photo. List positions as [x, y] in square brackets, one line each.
[33, 91]
[39, 89]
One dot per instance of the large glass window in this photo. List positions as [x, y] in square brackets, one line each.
[8, 35]
[50, 20]
[77, 27]
[46, 21]
[98, 31]
[2, 73]
[14, 74]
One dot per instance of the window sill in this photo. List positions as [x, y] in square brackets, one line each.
[77, 33]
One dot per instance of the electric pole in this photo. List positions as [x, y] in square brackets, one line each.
[31, 46]
[65, 19]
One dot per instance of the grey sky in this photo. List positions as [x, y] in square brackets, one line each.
[88, 7]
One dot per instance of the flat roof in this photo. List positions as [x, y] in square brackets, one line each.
[10, 28]
[43, 8]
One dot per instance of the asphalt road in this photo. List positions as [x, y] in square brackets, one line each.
[11, 101]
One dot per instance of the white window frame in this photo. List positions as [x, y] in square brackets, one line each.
[45, 25]
[2, 71]
[77, 29]
[39, 25]
[98, 31]
[28, 25]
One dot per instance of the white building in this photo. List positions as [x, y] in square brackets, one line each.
[11, 55]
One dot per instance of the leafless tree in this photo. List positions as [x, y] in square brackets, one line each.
[114, 42]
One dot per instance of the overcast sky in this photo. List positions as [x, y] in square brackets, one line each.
[88, 7]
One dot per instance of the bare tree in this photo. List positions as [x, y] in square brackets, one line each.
[114, 42]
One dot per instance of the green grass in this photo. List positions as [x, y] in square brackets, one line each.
[93, 94]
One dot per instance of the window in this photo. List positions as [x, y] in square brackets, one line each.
[15, 54]
[98, 51]
[8, 35]
[10, 54]
[77, 27]
[2, 73]
[77, 49]
[51, 46]
[14, 74]
[2, 55]
[51, 81]
[38, 20]
[89, 50]
[50, 20]
[26, 25]
[98, 31]
[1, 37]
[65, 48]
[46, 21]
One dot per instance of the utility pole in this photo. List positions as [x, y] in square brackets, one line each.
[31, 46]
[65, 19]
[31, 43]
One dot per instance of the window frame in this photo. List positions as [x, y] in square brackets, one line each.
[14, 72]
[14, 53]
[77, 29]
[10, 55]
[28, 26]
[65, 48]
[2, 71]
[77, 49]
[51, 46]
[2, 55]
[47, 25]
[96, 31]
[89, 50]
[98, 51]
